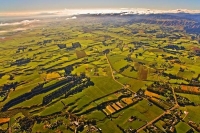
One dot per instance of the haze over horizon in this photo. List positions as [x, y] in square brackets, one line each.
[10, 6]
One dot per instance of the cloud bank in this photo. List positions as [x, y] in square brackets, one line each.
[102, 11]
[121, 10]
[74, 17]
[24, 22]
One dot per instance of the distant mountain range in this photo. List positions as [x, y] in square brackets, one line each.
[188, 19]
[190, 22]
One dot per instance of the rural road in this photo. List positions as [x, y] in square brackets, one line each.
[154, 120]
[112, 72]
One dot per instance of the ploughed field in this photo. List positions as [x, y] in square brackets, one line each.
[99, 74]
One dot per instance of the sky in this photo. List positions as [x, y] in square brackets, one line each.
[48, 5]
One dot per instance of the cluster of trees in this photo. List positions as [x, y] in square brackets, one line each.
[69, 69]
[123, 68]
[189, 91]
[160, 103]
[76, 45]
[78, 82]
[7, 87]
[107, 51]
[129, 59]
[195, 126]
[126, 67]
[174, 47]
[171, 58]
[181, 69]
[171, 120]
[90, 123]
[61, 46]
[59, 92]
[136, 55]
[1, 75]
[80, 87]
[161, 35]
[26, 124]
[21, 49]
[47, 41]
[104, 43]
[21, 61]
[139, 44]
[183, 101]
[152, 129]
[171, 76]
[55, 124]
[35, 91]
[140, 92]
[160, 91]
[150, 31]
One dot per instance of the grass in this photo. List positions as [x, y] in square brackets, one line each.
[48, 62]
[141, 110]
[193, 114]
[193, 98]
[4, 127]
[108, 123]
[53, 75]
[151, 94]
[182, 127]
[97, 115]
[58, 106]
[160, 124]
[86, 97]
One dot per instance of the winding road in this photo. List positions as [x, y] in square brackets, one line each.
[155, 119]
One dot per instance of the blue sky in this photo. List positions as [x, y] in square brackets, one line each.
[45, 5]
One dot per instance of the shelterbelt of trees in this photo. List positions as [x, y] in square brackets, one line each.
[70, 81]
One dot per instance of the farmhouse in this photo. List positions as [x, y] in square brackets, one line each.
[140, 92]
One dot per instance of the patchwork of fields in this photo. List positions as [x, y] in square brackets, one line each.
[94, 74]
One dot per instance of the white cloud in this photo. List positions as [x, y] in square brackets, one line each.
[24, 22]
[122, 10]
[66, 12]
[74, 17]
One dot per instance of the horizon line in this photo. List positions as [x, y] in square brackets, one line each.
[96, 10]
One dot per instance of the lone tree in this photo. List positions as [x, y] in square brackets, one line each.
[192, 37]
[11, 77]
